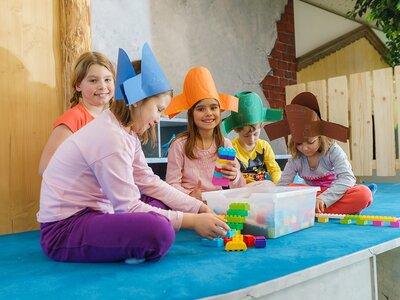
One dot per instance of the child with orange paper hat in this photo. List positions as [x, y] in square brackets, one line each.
[318, 159]
[255, 155]
[192, 155]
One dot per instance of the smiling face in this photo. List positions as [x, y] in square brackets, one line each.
[97, 87]
[207, 114]
[148, 112]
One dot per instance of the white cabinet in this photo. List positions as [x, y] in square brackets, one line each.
[165, 131]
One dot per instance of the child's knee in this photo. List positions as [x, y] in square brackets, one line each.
[364, 195]
[162, 235]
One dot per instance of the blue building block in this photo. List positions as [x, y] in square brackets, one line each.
[226, 153]
[217, 242]
[230, 233]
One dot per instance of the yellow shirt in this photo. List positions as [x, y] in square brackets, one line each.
[255, 164]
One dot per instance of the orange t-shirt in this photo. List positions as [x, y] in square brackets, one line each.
[74, 118]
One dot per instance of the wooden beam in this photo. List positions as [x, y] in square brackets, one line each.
[76, 38]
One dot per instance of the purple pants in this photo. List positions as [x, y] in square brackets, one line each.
[92, 236]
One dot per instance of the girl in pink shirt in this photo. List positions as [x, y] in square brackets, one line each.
[93, 79]
[90, 207]
[192, 155]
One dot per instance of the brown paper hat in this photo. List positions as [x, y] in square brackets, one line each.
[303, 120]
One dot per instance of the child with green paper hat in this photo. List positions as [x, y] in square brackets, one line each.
[255, 155]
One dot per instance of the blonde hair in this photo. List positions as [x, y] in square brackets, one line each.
[82, 65]
[325, 144]
[192, 134]
[126, 116]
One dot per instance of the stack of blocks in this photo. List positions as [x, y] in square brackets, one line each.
[235, 217]
[234, 240]
[224, 155]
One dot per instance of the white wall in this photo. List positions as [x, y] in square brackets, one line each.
[232, 38]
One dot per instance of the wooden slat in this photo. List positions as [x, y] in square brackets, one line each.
[338, 105]
[6, 68]
[318, 88]
[293, 90]
[30, 102]
[361, 123]
[397, 101]
[384, 124]
[76, 38]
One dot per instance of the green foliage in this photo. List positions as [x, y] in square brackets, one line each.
[386, 14]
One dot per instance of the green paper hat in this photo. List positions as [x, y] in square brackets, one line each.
[250, 111]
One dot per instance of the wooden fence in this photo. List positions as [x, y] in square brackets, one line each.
[368, 103]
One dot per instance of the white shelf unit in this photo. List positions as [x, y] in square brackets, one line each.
[165, 129]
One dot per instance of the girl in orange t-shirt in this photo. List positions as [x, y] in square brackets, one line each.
[93, 82]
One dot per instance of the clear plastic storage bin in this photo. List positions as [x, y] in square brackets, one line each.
[274, 211]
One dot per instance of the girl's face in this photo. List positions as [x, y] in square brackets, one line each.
[249, 135]
[97, 87]
[309, 147]
[148, 112]
[207, 114]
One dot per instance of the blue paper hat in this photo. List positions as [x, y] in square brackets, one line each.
[133, 88]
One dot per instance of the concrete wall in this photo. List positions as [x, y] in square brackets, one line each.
[232, 38]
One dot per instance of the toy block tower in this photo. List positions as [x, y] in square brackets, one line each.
[236, 216]
[224, 155]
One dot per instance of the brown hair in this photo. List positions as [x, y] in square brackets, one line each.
[324, 144]
[192, 134]
[252, 128]
[82, 65]
[126, 116]
[137, 66]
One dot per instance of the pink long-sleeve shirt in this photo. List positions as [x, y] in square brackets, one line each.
[184, 173]
[103, 167]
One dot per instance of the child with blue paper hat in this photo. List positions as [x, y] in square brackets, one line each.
[90, 207]
[255, 155]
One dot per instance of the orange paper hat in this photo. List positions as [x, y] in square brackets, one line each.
[199, 85]
[303, 120]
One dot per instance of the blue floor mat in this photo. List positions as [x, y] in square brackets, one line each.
[189, 270]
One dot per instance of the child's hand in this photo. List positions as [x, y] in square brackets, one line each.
[210, 226]
[196, 193]
[230, 170]
[205, 209]
[319, 206]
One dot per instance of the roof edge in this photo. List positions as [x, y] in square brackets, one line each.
[339, 43]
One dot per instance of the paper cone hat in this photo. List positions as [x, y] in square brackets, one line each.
[199, 85]
[251, 111]
[133, 88]
[303, 120]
